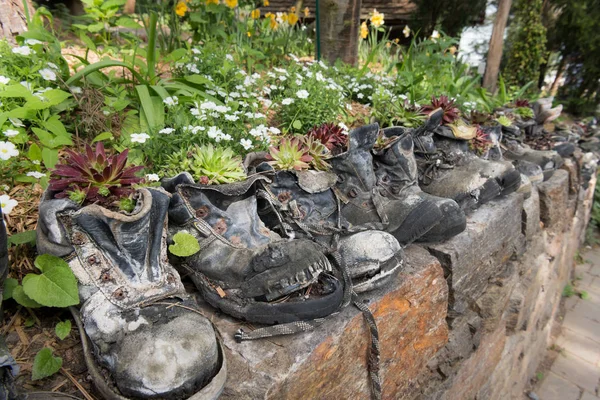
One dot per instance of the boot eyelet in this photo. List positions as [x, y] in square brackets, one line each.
[395, 189]
[120, 293]
[341, 179]
[284, 197]
[106, 277]
[352, 193]
[93, 260]
[385, 178]
[170, 278]
[220, 227]
[202, 212]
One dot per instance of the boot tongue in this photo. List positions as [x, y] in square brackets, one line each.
[363, 137]
[248, 227]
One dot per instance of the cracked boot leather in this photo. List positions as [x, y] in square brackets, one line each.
[243, 268]
[134, 309]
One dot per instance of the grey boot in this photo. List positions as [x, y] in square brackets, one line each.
[135, 314]
[243, 268]
[548, 160]
[447, 168]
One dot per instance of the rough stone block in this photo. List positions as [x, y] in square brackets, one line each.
[531, 214]
[573, 170]
[330, 362]
[493, 235]
[492, 304]
[553, 200]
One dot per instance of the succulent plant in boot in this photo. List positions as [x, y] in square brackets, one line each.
[290, 154]
[448, 107]
[243, 268]
[447, 168]
[331, 135]
[141, 336]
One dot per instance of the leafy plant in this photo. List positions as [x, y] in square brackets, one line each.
[524, 112]
[45, 364]
[331, 136]
[291, 154]
[504, 120]
[451, 112]
[481, 143]
[93, 176]
[318, 152]
[568, 290]
[207, 164]
[62, 329]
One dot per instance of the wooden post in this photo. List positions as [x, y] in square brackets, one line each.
[490, 78]
[12, 18]
[339, 30]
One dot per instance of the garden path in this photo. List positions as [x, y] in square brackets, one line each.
[575, 373]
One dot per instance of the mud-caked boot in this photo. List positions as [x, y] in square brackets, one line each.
[135, 316]
[243, 268]
[448, 168]
[397, 174]
[548, 160]
[364, 202]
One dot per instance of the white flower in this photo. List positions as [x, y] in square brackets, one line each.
[36, 174]
[211, 92]
[302, 94]
[139, 137]
[8, 150]
[287, 102]
[17, 122]
[4, 80]
[360, 95]
[435, 35]
[222, 109]
[48, 74]
[11, 132]
[106, 112]
[7, 204]
[208, 105]
[192, 68]
[22, 50]
[4, 187]
[406, 31]
[27, 85]
[214, 132]
[231, 117]
[171, 101]
[196, 51]
[348, 106]
[166, 131]
[344, 127]
[229, 57]
[53, 66]
[152, 177]
[234, 95]
[76, 89]
[32, 42]
[246, 144]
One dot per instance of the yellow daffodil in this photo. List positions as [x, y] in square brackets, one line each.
[208, 2]
[306, 12]
[377, 18]
[231, 3]
[181, 8]
[364, 31]
[406, 31]
[266, 3]
[292, 18]
[255, 14]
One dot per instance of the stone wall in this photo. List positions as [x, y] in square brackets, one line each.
[467, 319]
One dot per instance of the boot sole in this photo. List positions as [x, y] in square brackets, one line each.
[420, 221]
[388, 270]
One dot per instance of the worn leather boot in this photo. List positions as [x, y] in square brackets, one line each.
[447, 168]
[135, 313]
[243, 268]
[397, 174]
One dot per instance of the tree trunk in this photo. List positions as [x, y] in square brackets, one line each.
[490, 78]
[559, 74]
[339, 26]
[129, 7]
[12, 18]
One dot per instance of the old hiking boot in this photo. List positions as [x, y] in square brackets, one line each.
[447, 168]
[243, 268]
[134, 310]
[397, 174]
[303, 204]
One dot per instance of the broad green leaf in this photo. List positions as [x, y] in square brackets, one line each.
[100, 65]
[63, 329]
[22, 238]
[185, 245]
[50, 157]
[45, 364]
[20, 297]
[34, 153]
[16, 90]
[146, 105]
[55, 287]
[112, 4]
[297, 124]
[103, 136]
[87, 41]
[127, 22]
[50, 98]
[9, 286]
[97, 27]
[54, 125]
[51, 141]
[197, 79]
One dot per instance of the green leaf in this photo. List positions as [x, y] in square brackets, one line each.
[146, 106]
[45, 364]
[297, 124]
[34, 153]
[55, 287]
[97, 27]
[100, 65]
[29, 322]
[9, 286]
[87, 41]
[50, 157]
[20, 297]
[63, 329]
[103, 136]
[16, 90]
[54, 125]
[127, 22]
[51, 98]
[22, 238]
[185, 245]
